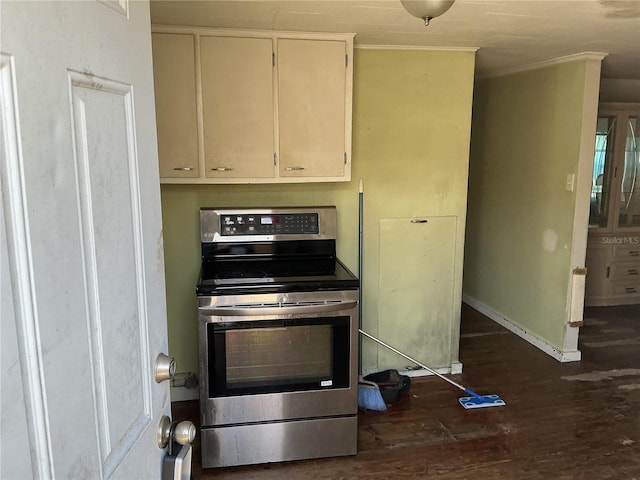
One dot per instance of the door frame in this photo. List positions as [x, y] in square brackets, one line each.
[582, 183]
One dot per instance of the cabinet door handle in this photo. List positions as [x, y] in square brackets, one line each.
[221, 169]
[290, 169]
[634, 253]
[183, 169]
[630, 289]
[633, 271]
[419, 220]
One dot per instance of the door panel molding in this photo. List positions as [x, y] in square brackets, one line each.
[16, 216]
[120, 6]
[106, 179]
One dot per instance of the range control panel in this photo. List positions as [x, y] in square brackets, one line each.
[238, 225]
[269, 224]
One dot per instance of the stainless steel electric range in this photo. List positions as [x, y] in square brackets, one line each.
[278, 331]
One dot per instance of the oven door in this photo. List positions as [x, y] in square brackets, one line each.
[278, 357]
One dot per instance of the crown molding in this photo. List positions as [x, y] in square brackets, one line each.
[416, 47]
[597, 56]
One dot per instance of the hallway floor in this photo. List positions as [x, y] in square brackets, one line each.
[562, 421]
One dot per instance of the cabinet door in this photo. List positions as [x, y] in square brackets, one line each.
[311, 107]
[597, 282]
[415, 302]
[237, 106]
[175, 95]
[629, 208]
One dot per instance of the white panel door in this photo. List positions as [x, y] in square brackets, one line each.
[83, 303]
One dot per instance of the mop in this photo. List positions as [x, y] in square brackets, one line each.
[474, 400]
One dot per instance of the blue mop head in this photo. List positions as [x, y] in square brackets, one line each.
[369, 396]
[480, 401]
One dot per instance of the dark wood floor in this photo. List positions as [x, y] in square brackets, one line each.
[562, 421]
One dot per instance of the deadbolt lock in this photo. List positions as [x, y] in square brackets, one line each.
[165, 368]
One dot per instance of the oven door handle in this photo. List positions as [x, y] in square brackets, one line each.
[260, 310]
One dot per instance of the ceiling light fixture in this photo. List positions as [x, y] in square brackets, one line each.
[426, 9]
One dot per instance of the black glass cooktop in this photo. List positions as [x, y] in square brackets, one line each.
[273, 275]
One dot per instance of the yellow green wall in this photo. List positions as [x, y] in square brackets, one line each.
[525, 140]
[411, 127]
[412, 119]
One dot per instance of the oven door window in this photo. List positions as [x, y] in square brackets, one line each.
[268, 356]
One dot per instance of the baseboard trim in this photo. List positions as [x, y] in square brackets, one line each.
[456, 369]
[568, 356]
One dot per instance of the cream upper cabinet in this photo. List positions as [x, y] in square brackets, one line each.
[271, 107]
[237, 106]
[311, 107]
[176, 111]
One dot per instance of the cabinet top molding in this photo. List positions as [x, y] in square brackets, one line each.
[234, 32]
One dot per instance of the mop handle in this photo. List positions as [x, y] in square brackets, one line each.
[466, 390]
[360, 248]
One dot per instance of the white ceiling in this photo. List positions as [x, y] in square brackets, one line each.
[509, 34]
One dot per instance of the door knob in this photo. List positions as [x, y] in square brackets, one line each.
[182, 433]
[176, 464]
[164, 432]
[165, 368]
